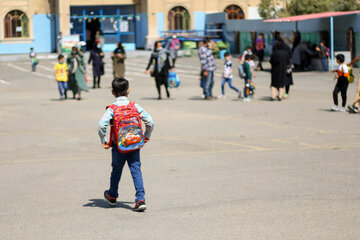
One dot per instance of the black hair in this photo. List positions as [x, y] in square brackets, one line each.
[120, 86]
[155, 45]
[261, 34]
[248, 47]
[340, 58]
[31, 48]
[226, 54]
[60, 56]
[206, 40]
[247, 57]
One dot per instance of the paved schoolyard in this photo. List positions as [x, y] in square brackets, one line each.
[221, 169]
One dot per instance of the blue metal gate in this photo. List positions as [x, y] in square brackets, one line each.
[115, 24]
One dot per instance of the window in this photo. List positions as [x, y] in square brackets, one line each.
[234, 12]
[16, 24]
[179, 19]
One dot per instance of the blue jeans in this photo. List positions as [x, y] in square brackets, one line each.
[203, 82]
[118, 162]
[63, 87]
[33, 66]
[228, 80]
[324, 66]
[209, 84]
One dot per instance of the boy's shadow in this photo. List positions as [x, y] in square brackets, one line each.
[101, 203]
[197, 98]
[266, 98]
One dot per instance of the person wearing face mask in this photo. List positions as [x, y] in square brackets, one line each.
[118, 57]
[160, 57]
[96, 57]
[77, 71]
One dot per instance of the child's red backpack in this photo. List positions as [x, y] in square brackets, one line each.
[126, 129]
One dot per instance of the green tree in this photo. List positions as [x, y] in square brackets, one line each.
[296, 7]
[267, 9]
[349, 5]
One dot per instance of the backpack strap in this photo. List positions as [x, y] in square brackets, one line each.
[112, 130]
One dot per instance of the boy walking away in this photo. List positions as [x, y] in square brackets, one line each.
[61, 76]
[126, 139]
[34, 60]
[342, 83]
[324, 54]
[247, 78]
[260, 47]
[227, 77]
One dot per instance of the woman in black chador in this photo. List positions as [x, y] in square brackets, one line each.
[161, 67]
[96, 57]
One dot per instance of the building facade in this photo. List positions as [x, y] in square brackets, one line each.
[136, 23]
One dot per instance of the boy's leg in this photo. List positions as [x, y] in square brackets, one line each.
[229, 80]
[118, 162]
[134, 163]
[222, 86]
[335, 95]
[245, 93]
[60, 86]
[343, 93]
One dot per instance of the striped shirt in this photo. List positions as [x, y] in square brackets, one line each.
[122, 101]
[206, 59]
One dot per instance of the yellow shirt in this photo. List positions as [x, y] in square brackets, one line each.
[61, 72]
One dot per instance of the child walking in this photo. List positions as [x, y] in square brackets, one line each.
[227, 76]
[61, 76]
[120, 112]
[33, 59]
[341, 84]
[247, 78]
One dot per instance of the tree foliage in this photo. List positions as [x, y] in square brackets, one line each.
[296, 7]
[267, 9]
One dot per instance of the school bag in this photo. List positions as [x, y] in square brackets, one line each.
[242, 73]
[126, 128]
[173, 80]
[350, 77]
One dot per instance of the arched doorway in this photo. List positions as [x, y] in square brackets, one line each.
[179, 18]
[234, 12]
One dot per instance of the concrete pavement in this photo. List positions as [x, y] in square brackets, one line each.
[223, 169]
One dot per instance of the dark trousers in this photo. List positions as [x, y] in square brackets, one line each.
[159, 80]
[96, 81]
[133, 161]
[260, 55]
[341, 86]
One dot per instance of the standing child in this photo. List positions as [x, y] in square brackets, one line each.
[61, 76]
[342, 83]
[126, 139]
[227, 77]
[33, 59]
[247, 78]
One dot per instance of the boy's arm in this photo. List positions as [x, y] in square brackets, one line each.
[103, 123]
[147, 119]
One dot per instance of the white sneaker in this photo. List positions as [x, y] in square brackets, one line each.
[246, 100]
[342, 109]
[221, 97]
[335, 108]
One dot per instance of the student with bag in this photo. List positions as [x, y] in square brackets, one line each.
[126, 140]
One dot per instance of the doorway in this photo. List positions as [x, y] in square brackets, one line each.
[92, 29]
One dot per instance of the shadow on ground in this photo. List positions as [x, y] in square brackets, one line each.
[101, 203]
